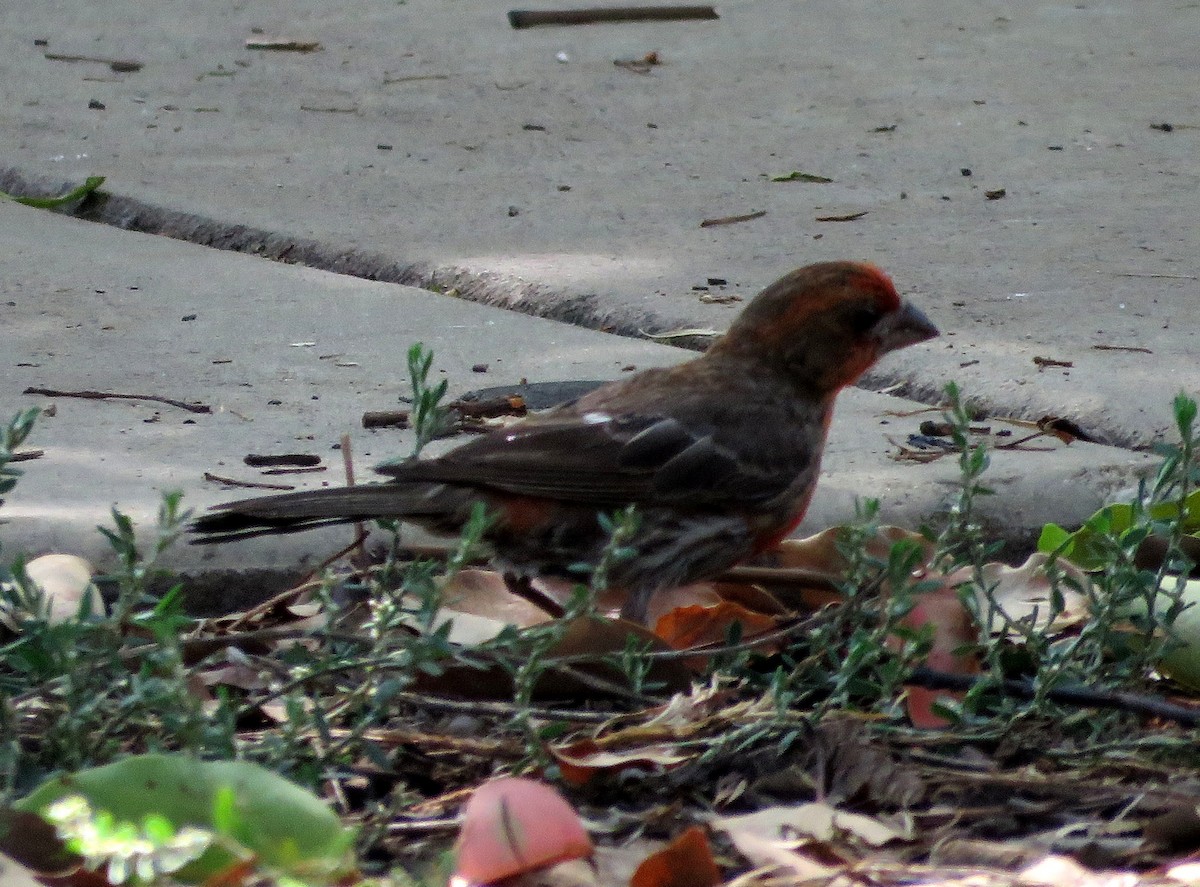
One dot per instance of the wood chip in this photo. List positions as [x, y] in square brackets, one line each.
[385, 419]
[1043, 362]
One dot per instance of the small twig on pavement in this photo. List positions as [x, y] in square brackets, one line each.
[526, 18]
[109, 395]
[247, 484]
[732, 220]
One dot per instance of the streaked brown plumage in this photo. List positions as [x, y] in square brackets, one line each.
[720, 455]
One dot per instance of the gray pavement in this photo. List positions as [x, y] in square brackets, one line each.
[289, 358]
[426, 142]
[408, 141]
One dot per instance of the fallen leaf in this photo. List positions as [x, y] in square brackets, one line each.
[1181, 662]
[685, 862]
[1025, 593]
[590, 638]
[817, 820]
[777, 853]
[953, 628]
[686, 627]
[484, 593]
[292, 828]
[684, 710]
[819, 553]
[580, 761]
[66, 580]
[513, 825]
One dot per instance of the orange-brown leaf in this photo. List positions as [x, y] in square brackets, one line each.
[685, 862]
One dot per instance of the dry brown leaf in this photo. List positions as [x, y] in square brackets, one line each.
[30, 844]
[234, 674]
[684, 710]
[816, 819]
[584, 759]
[752, 597]
[306, 609]
[855, 767]
[777, 854]
[616, 864]
[693, 626]
[1006, 855]
[686, 862]
[1176, 828]
[484, 593]
[1024, 592]
[953, 629]
[700, 594]
[819, 552]
[595, 639]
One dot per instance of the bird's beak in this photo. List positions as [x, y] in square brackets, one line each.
[905, 327]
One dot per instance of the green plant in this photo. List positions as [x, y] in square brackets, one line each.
[1131, 608]
[1123, 593]
[90, 686]
[429, 417]
[11, 437]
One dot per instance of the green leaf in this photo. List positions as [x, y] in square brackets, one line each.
[1181, 661]
[89, 185]
[1052, 539]
[276, 821]
[1185, 414]
[1083, 546]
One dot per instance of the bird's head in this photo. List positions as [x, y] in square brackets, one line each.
[824, 325]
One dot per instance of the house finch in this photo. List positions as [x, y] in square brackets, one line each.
[719, 455]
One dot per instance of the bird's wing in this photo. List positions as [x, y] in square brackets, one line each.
[599, 459]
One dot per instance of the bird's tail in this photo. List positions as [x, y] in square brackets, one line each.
[309, 509]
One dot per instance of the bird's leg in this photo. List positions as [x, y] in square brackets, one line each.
[637, 606]
[522, 587]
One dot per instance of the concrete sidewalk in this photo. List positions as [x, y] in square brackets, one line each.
[288, 359]
[428, 142]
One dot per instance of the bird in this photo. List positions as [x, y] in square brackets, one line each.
[718, 456]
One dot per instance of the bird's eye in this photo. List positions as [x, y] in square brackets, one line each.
[861, 318]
